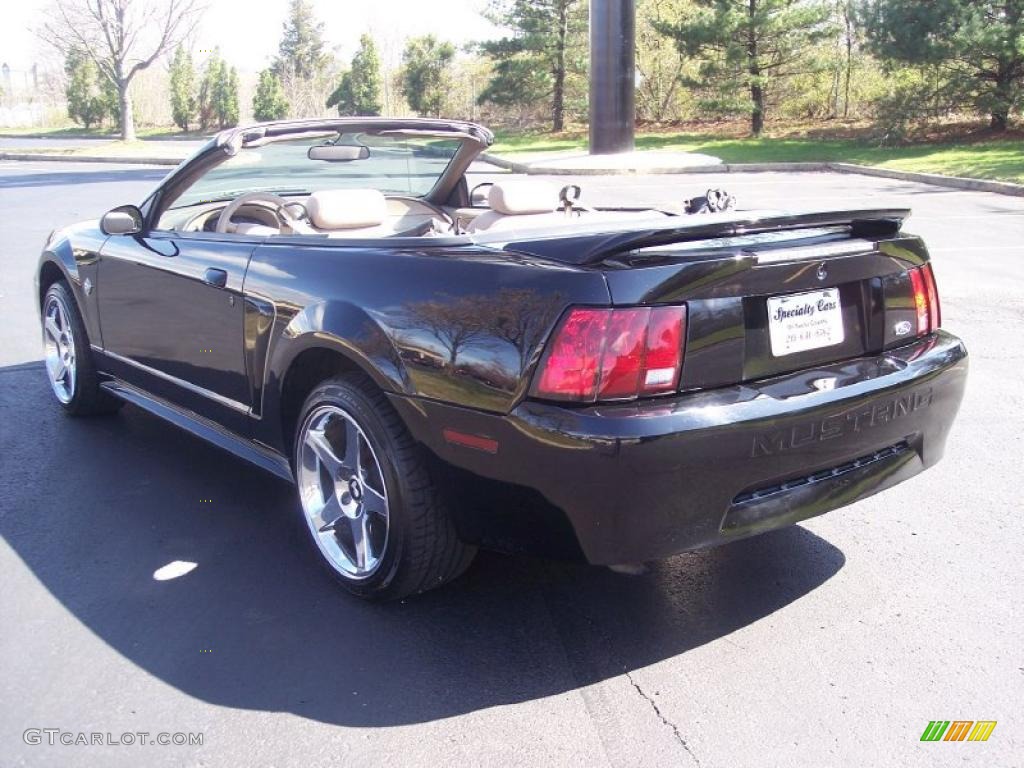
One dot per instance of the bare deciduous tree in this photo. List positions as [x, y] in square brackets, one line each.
[456, 322]
[123, 37]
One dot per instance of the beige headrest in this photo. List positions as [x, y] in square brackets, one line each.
[347, 208]
[522, 196]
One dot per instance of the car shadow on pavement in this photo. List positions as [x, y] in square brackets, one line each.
[94, 507]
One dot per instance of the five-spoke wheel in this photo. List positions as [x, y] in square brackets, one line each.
[70, 367]
[59, 347]
[369, 500]
[342, 492]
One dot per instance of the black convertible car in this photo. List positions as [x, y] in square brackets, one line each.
[438, 368]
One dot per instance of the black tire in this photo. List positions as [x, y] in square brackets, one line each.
[86, 396]
[422, 549]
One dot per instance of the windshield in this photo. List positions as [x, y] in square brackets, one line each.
[407, 165]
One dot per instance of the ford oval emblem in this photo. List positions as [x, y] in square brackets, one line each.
[902, 328]
[822, 271]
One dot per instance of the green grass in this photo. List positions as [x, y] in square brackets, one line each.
[70, 132]
[1001, 159]
[139, 148]
[78, 132]
[440, 385]
[114, 149]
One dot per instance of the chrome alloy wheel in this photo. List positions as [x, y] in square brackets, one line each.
[59, 348]
[342, 491]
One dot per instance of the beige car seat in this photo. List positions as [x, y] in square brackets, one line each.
[520, 204]
[348, 213]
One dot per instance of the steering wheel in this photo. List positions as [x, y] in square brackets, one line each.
[280, 205]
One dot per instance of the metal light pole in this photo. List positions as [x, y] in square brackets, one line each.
[612, 75]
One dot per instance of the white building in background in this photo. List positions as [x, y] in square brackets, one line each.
[34, 97]
[30, 97]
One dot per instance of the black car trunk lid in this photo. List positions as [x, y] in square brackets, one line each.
[734, 286]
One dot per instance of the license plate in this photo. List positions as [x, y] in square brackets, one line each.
[805, 321]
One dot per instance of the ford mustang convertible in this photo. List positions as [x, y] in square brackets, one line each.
[440, 366]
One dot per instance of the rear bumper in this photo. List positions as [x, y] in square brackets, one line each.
[644, 481]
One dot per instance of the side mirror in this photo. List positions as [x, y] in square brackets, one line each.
[338, 153]
[124, 220]
[478, 198]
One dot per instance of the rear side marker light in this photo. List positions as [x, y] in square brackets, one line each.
[466, 440]
[926, 299]
[613, 354]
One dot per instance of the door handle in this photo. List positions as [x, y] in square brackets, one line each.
[215, 277]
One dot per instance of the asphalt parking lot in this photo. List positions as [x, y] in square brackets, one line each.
[830, 643]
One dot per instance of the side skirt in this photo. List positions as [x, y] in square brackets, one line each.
[263, 458]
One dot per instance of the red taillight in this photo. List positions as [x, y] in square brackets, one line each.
[570, 366]
[664, 350]
[926, 299]
[920, 300]
[934, 313]
[622, 361]
[613, 354]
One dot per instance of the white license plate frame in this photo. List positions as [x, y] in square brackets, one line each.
[804, 321]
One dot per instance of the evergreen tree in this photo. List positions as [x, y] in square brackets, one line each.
[359, 91]
[424, 76]
[746, 46]
[659, 96]
[183, 85]
[548, 44]
[269, 102]
[301, 50]
[228, 101]
[218, 94]
[977, 45]
[343, 97]
[207, 90]
[113, 100]
[302, 61]
[87, 104]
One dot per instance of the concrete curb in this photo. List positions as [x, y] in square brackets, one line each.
[721, 168]
[69, 158]
[955, 182]
[501, 162]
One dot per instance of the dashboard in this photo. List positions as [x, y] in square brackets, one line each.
[404, 213]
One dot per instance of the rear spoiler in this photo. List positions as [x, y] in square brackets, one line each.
[614, 238]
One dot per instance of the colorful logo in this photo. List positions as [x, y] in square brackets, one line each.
[958, 730]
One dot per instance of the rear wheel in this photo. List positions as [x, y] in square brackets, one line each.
[371, 508]
[68, 357]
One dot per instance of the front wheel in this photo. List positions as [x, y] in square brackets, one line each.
[69, 364]
[371, 508]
